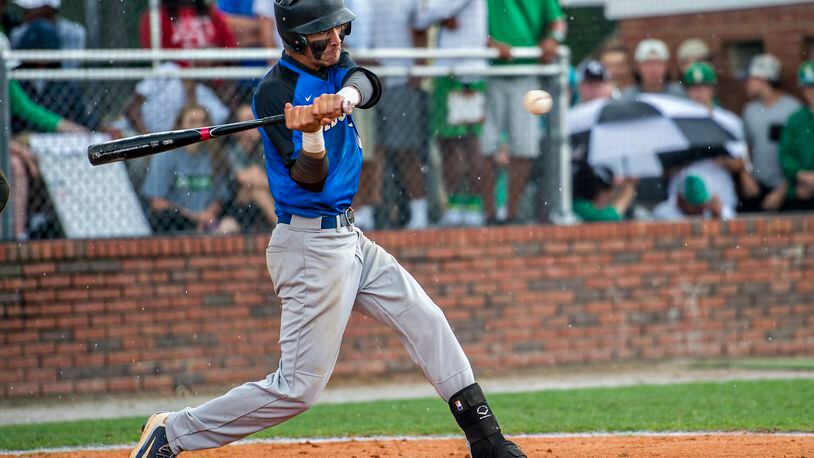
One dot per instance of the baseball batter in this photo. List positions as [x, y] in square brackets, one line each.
[322, 266]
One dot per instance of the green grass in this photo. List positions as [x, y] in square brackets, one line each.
[769, 364]
[784, 405]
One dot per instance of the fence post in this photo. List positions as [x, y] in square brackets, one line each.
[5, 150]
[561, 212]
[155, 28]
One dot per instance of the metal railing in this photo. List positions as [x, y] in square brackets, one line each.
[106, 83]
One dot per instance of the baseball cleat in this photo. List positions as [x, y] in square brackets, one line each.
[153, 442]
[496, 447]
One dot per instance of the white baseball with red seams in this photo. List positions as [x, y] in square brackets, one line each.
[537, 102]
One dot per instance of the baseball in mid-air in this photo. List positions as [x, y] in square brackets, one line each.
[537, 102]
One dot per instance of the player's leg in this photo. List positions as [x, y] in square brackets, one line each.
[389, 294]
[316, 274]
[524, 141]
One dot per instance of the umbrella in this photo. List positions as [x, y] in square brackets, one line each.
[643, 135]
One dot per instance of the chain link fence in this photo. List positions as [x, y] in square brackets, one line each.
[431, 155]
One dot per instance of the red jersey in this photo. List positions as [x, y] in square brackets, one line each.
[189, 30]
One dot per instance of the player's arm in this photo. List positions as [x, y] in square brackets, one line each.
[354, 78]
[310, 168]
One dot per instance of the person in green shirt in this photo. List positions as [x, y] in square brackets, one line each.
[796, 150]
[515, 23]
[598, 196]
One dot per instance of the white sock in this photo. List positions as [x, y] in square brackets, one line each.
[365, 219]
[418, 212]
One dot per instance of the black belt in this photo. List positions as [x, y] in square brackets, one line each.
[328, 222]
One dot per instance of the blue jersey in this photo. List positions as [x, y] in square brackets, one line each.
[291, 82]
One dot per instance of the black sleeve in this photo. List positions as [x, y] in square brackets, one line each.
[345, 61]
[269, 99]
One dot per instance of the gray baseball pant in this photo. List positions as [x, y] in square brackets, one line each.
[321, 275]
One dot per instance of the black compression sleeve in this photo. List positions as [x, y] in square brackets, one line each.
[309, 173]
[372, 87]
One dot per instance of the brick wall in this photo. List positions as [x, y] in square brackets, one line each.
[784, 31]
[153, 314]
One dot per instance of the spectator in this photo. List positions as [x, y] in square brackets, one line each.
[23, 165]
[27, 114]
[458, 103]
[595, 82]
[700, 82]
[515, 23]
[369, 196]
[797, 145]
[403, 131]
[615, 58]
[253, 204]
[763, 119]
[598, 196]
[158, 101]
[8, 21]
[185, 193]
[362, 36]
[652, 64]
[251, 22]
[690, 51]
[62, 97]
[189, 24]
[72, 35]
[692, 198]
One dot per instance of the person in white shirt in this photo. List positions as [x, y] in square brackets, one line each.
[403, 112]
[692, 198]
[764, 117]
[72, 35]
[652, 65]
[726, 174]
[157, 102]
[458, 108]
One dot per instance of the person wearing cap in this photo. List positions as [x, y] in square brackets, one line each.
[693, 198]
[796, 152]
[690, 51]
[652, 64]
[594, 83]
[72, 35]
[763, 118]
[700, 83]
[599, 196]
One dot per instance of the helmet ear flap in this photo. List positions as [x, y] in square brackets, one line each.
[297, 42]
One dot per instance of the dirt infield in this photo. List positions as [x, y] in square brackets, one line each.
[702, 446]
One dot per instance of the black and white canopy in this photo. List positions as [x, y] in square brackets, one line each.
[641, 136]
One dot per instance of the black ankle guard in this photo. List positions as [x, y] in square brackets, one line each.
[473, 414]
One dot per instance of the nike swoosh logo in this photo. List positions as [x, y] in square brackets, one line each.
[147, 450]
[308, 99]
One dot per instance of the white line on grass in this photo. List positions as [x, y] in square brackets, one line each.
[325, 440]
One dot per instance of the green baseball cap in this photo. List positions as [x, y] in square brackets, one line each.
[700, 74]
[694, 190]
[806, 73]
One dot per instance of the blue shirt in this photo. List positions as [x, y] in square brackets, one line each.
[238, 7]
[290, 81]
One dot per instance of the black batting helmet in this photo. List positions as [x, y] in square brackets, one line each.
[298, 18]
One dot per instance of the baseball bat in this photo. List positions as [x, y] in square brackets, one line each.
[149, 144]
